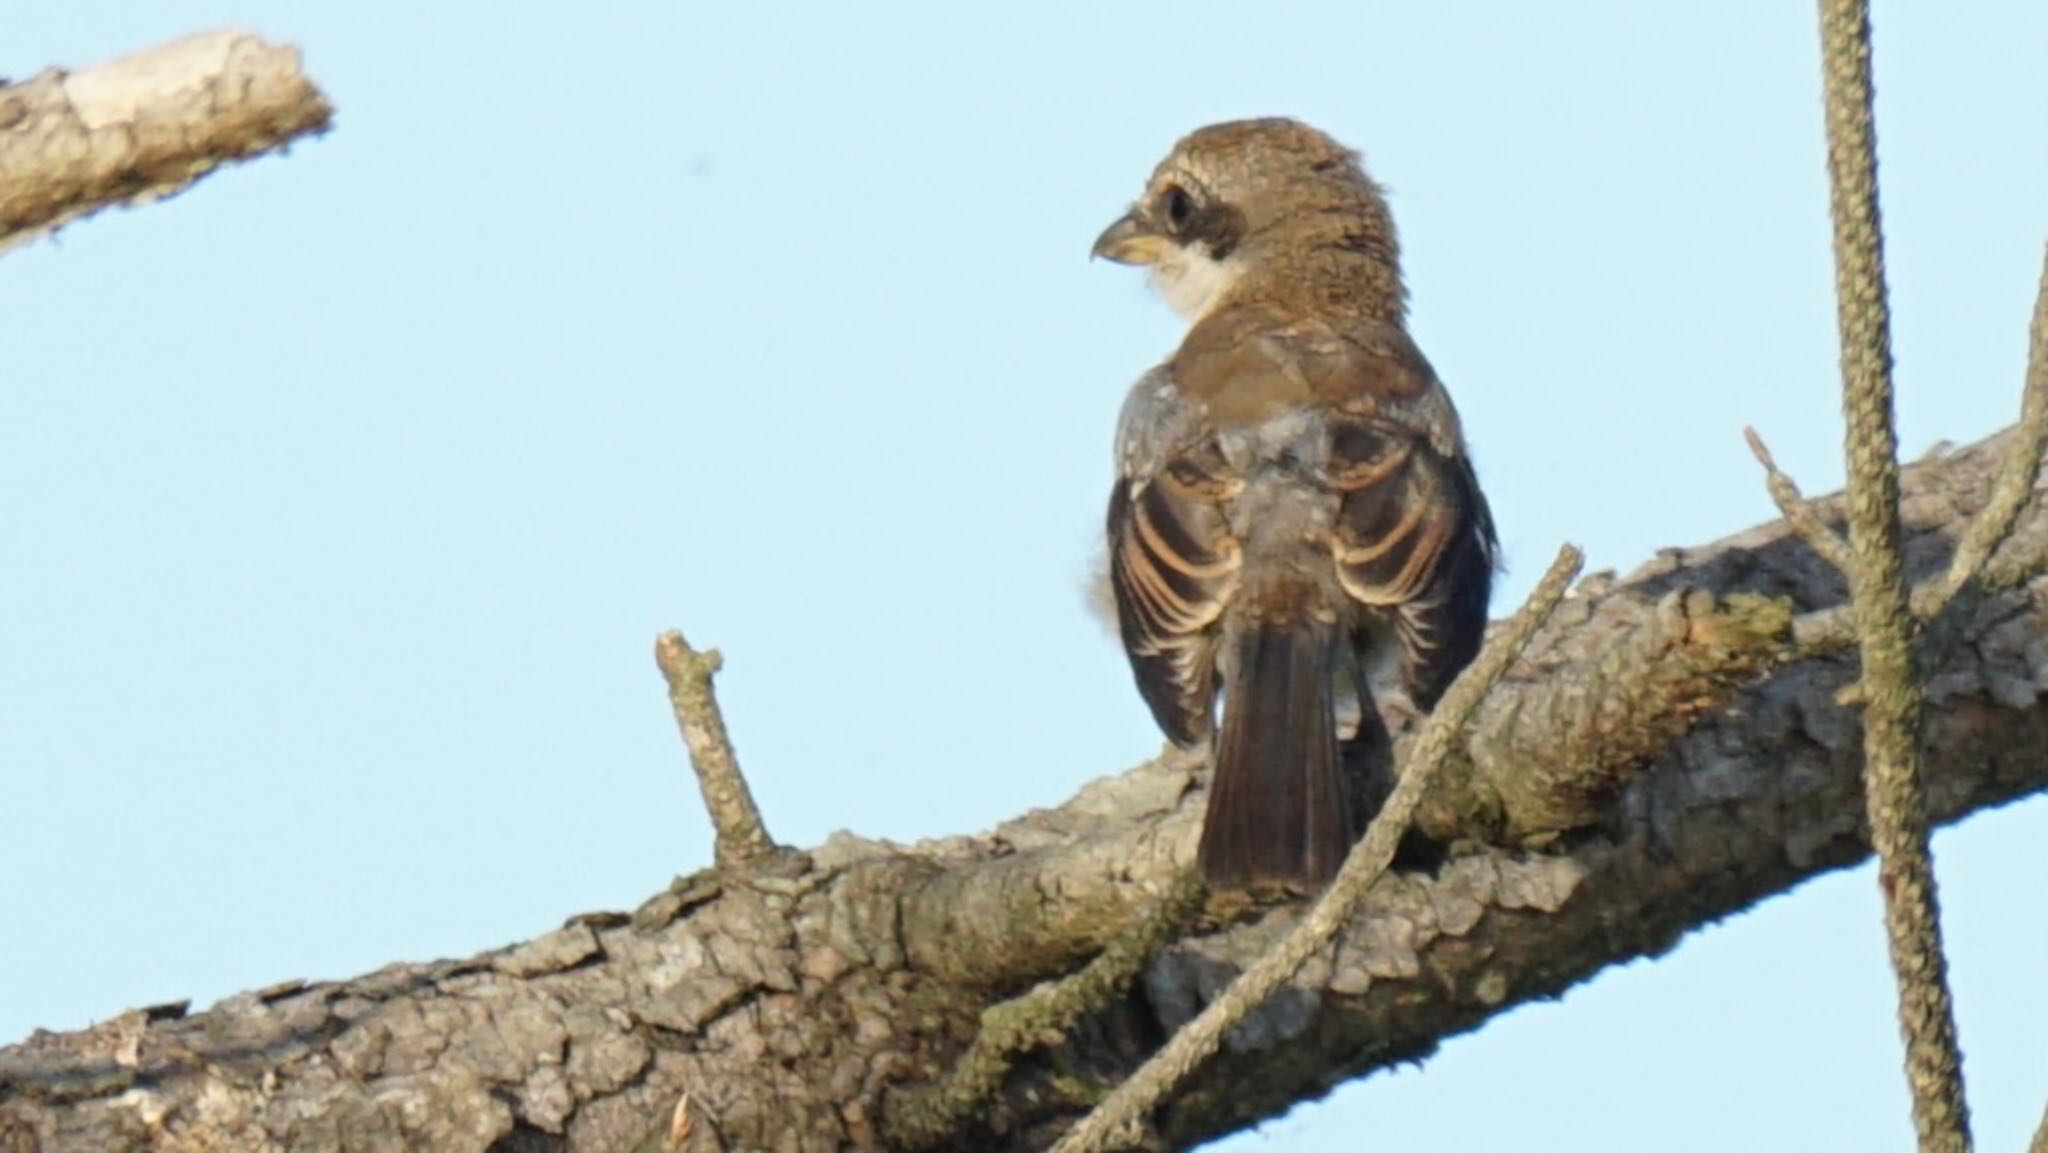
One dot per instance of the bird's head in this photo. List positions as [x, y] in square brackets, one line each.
[1272, 203]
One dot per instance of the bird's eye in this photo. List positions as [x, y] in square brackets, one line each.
[1180, 207]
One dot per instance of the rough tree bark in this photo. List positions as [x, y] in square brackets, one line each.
[1672, 749]
[145, 126]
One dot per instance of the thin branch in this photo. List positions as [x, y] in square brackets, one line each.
[742, 837]
[145, 126]
[922, 1117]
[1111, 1123]
[1798, 513]
[1891, 691]
[2016, 477]
[2040, 1142]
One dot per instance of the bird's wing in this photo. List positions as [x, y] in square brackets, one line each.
[1413, 530]
[1173, 563]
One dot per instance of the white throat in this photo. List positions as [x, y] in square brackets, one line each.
[1191, 281]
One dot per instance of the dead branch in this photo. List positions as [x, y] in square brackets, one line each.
[789, 1006]
[1792, 505]
[741, 837]
[146, 126]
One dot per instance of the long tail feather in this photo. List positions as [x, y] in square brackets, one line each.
[1278, 811]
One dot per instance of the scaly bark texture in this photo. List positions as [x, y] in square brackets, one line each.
[145, 126]
[790, 999]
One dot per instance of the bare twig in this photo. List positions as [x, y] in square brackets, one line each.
[145, 126]
[1793, 505]
[741, 835]
[1891, 692]
[2040, 1142]
[1799, 514]
[925, 1116]
[2016, 477]
[1111, 1123]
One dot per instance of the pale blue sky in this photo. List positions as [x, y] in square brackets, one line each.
[345, 494]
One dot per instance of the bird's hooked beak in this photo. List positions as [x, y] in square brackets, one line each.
[1131, 240]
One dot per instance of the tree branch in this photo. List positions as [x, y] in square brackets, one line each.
[1785, 494]
[1605, 689]
[146, 126]
[2015, 486]
[741, 837]
[1112, 1124]
[1891, 688]
[787, 1007]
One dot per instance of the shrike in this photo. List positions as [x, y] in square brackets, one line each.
[1294, 515]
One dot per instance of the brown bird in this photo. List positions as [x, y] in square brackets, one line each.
[1294, 514]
